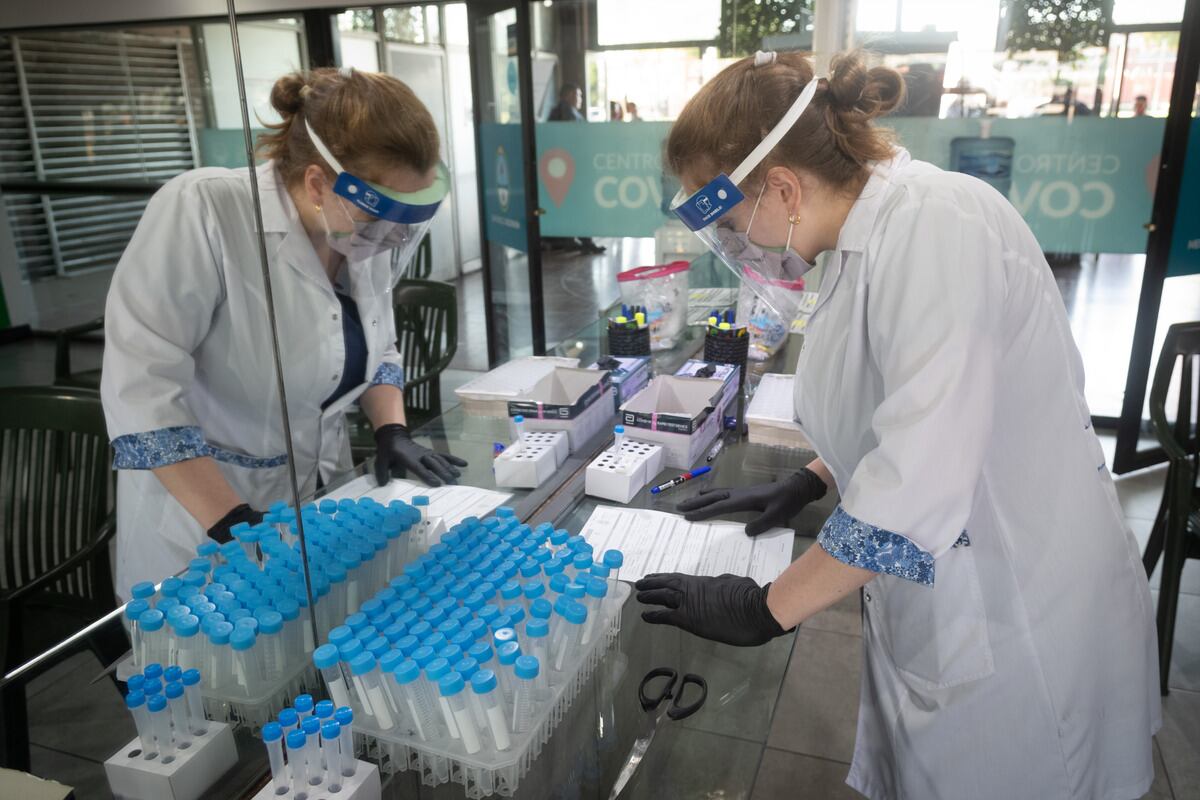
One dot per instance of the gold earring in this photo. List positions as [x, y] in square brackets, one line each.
[317, 206]
[793, 218]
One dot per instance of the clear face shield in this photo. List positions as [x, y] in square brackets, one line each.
[395, 220]
[771, 273]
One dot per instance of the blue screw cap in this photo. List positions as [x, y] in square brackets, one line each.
[272, 732]
[526, 668]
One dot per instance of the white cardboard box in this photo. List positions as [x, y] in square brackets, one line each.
[770, 417]
[488, 395]
[629, 375]
[684, 415]
[577, 401]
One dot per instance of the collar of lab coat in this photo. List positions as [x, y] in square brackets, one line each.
[860, 222]
[280, 217]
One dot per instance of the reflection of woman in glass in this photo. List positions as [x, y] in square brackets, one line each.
[1009, 647]
[189, 384]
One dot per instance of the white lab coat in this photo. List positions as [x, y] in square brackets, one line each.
[188, 367]
[1009, 639]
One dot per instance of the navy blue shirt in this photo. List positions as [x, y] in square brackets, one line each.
[354, 371]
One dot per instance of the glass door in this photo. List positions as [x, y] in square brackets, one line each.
[500, 77]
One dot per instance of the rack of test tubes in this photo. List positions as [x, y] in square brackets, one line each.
[319, 743]
[462, 667]
[241, 614]
[178, 752]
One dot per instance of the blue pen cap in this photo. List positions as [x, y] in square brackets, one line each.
[172, 673]
[325, 656]
[143, 590]
[272, 732]
[174, 690]
[436, 669]
[526, 668]
[135, 699]
[191, 677]
[288, 717]
[242, 639]
[135, 608]
[330, 731]
[483, 681]
[156, 703]
[296, 740]
[507, 653]
[310, 725]
[450, 684]
[537, 628]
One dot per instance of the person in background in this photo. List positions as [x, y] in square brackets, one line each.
[631, 111]
[1008, 629]
[570, 101]
[188, 381]
[615, 111]
[1139, 105]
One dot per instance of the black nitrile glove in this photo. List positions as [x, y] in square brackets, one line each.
[396, 452]
[727, 608]
[241, 513]
[778, 501]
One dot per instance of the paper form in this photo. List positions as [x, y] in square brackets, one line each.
[452, 503]
[654, 541]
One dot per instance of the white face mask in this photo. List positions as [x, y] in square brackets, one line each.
[779, 262]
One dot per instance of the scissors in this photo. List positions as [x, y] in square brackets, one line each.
[674, 710]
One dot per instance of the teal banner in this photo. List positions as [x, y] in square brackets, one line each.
[503, 185]
[1185, 241]
[1084, 186]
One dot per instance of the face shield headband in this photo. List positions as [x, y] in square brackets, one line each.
[768, 273]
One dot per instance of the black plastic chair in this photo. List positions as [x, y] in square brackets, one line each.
[63, 376]
[1176, 532]
[426, 315]
[56, 522]
[420, 267]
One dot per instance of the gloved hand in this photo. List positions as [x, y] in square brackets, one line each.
[240, 513]
[778, 501]
[396, 452]
[727, 608]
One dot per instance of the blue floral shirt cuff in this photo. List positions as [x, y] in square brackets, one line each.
[861, 544]
[391, 374]
[165, 446]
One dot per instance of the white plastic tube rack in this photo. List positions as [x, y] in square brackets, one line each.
[618, 475]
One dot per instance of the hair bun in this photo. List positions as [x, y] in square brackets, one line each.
[287, 95]
[854, 87]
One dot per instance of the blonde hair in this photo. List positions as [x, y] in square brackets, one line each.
[369, 121]
[834, 139]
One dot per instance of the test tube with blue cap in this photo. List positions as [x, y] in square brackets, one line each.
[365, 672]
[311, 726]
[597, 591]
[135, 701]
[326, 658]
[331, 752]
[296, 742]
[345, 718]
[537, 643]
[195, 702]
[272, 734]
[614, 559]
[525, 671]
[144, 590]
[485, 686]
[177, 706]
[160, 723]
[519, 433]
[506, 656]
[575, 615]
[450, 687]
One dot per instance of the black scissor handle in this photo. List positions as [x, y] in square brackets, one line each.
[651, 703]
[677, 711]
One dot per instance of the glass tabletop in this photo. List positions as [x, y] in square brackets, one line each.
[716, 750]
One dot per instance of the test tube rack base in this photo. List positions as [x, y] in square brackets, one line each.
[529, 464]
[491, 771]
[364, 784]
[192, 772]
[620, 476]
[252, 712]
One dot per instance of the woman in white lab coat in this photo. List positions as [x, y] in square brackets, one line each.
[1007, 625]
[188, 382]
